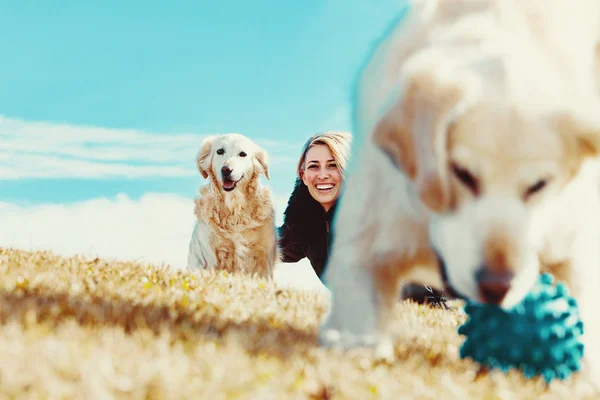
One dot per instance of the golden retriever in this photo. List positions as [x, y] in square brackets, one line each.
[477, 128]
[235, 227]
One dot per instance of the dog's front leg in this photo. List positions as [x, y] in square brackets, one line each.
[376, 240]
[363, 300]
[351, 319]
[365, 291]
[582, 275]
[591, 340]
[588, 282]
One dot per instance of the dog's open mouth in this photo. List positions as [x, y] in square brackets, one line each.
[230, 184]
[325, 187]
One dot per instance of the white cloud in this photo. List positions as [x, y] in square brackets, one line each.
[53, 150]
[156, 228]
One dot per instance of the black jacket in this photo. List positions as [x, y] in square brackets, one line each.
[306, 229]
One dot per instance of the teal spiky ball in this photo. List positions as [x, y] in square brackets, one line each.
[541, 336]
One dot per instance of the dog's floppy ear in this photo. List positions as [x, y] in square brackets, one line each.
[262, 162]
[413, 131]
[203, 157]
[582, 126]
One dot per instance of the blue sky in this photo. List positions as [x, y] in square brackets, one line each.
[105, 97]
[271, 70]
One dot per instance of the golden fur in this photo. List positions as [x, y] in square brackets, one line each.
[241, 223]
[255, 214]
[480, 139]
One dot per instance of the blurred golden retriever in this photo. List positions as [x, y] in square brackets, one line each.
[477, 128]
[235, 227]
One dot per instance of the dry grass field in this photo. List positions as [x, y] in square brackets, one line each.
[76, 328]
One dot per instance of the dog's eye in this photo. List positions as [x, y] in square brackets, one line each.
[536, 187]
[243, 154]
[220, 152]
[466, 178]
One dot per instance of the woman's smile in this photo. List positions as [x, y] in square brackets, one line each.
[325, 187]
[321, 175]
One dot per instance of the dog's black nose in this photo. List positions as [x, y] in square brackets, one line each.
[225, 171]
[493, 286]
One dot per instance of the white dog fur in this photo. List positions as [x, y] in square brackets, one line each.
[505, 89]
[235, 228]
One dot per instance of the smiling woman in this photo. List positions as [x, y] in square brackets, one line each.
[321, 175]
[321, 170]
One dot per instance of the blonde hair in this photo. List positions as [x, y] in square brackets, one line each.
[338, 143]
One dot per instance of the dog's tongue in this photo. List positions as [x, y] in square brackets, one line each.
[228, 184]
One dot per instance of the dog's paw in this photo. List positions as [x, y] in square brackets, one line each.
[385, 350]
[382, 346]
[343, 328]
[590, 364]
[329, 337]
[590, 372]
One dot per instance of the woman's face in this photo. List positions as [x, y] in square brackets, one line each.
[321, 175]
